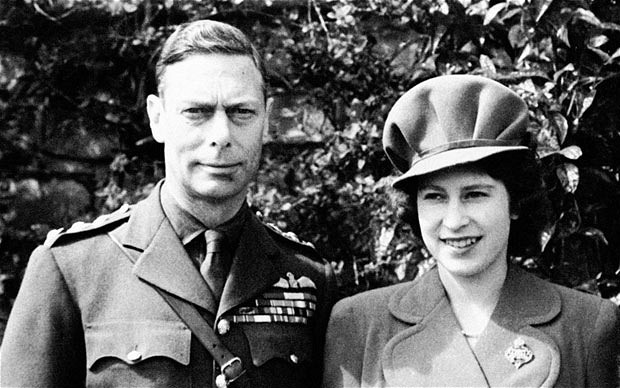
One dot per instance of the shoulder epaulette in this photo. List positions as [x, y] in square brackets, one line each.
[289, 236]
[57, 235]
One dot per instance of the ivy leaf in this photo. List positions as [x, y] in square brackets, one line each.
[568, 68]
[544, 5]
[601, 54]
[587, 16]
[597, 234]
[130, 7]
[545, 236]
[562, 34]
[615, 55]
[487, 64]
[517, 36]
[598, 40]
[493, 12]
[572, 152]
[568, 174]
[561, 124]
[385, 238]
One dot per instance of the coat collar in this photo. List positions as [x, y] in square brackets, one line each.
[254, 267]
[161, 258]
[525, 301]
[520, 300]
[163, 262]
[432, 349]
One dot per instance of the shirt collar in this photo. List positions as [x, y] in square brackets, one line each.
[187, 227]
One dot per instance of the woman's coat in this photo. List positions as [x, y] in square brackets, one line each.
[539, 335]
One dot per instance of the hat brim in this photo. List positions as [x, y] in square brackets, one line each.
[450, 158]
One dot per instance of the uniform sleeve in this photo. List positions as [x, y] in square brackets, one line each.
[604, 347]
[344, 348]
[43, 344]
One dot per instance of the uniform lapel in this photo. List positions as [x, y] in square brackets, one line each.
[524, 301]
[254, 267]
[161, 258]
[432, 352]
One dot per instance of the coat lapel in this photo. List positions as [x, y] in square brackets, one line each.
[525, 301]
[162, 260]
[432, 352]
[254, 267]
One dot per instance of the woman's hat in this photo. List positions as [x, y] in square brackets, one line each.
[451, 120]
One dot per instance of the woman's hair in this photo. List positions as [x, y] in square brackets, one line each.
[520, 172]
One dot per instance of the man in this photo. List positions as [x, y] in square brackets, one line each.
[92, 310]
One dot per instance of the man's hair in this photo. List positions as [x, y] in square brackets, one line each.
[521, 173]
[206, 37]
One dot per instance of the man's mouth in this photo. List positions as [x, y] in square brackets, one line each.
[220, 166]
[460, 243]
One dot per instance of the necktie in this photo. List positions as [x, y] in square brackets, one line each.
[214, 268]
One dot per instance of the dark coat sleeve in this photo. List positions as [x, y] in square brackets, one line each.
[43, 345]
[604, 347]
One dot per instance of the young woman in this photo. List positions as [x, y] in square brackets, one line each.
[476, 198]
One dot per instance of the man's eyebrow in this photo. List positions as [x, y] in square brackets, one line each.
[245, 101]
[198, 103]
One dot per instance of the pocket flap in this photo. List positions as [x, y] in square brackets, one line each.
[136, 341]
[285, 341]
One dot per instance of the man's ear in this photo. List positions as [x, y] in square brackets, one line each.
[154, 109]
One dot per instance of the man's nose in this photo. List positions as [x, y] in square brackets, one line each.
[217, 133]
[455, 215]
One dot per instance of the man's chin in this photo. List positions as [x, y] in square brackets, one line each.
[218, 191]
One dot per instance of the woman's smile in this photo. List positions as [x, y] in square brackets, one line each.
[461, 242]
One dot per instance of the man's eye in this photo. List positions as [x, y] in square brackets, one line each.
[242, 113]
[194, 111]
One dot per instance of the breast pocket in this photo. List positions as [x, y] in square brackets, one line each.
[286, 342]
[282, 355]
[138, 354]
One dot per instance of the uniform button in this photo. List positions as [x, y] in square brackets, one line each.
[223, 327]
[294, 358]
[134, 356]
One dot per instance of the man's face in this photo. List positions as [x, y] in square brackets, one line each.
[211, 117]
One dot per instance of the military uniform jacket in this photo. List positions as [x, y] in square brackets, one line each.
[86, 316]
[408, 336]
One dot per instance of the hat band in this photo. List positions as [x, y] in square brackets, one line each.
[468, 144]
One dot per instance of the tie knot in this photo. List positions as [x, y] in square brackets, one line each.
[214, 241]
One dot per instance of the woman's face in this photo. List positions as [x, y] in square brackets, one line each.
[464, 217]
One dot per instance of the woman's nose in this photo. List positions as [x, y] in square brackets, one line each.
[455, 215]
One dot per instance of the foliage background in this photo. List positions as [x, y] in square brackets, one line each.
[75, 142]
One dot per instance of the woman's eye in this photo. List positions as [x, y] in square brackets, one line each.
[476, 194]
[432, 196]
